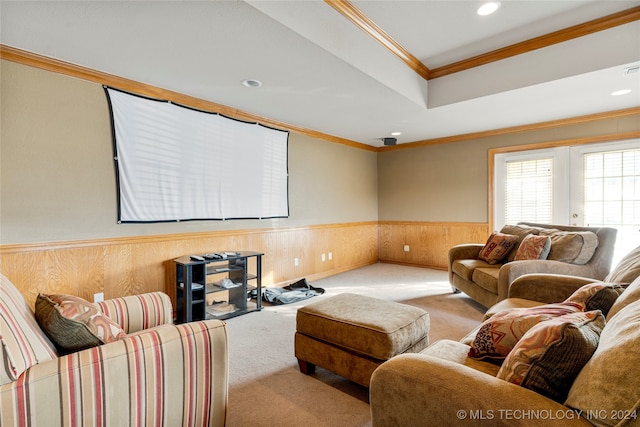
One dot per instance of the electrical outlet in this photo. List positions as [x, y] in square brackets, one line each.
[406, 248]
[323, 257]
[330, 256]
[296, 262]
[98, 297]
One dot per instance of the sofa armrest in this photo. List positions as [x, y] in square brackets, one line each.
[169, 375]
[420, 390]
[546, 288]
[138, 312]
[514, 269]
[465, 251]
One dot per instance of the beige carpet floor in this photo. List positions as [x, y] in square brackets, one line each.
[265, 385]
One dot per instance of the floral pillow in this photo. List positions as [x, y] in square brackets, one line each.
[549, 357]
[534, 247]
[73, 323]
[499, 334]
[497, 247]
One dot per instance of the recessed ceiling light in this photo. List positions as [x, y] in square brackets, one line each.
[621, 92]
[488, 8]
[252, 83]
[396, 133]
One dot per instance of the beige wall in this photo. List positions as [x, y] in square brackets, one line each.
[449, 182]
[58, 178]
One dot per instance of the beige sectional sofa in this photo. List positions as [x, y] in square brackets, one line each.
[444, 386]
[572, 253]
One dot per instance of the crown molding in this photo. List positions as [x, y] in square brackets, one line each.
[57, 66]
[589, 118]
[569, 33]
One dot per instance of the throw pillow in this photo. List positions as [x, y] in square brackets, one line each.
[609, 383]
[517, 230]
[533, 247]
[550, 355]
[575, 247]
[500, 333]
[497, 247]
[73, 323]
[597, 296]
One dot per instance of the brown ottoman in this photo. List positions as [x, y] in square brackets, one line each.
[351, 335]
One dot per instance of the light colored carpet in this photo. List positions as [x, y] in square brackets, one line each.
[267, 389]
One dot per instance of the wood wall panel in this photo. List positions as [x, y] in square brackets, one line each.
[126, 266]
[429, 242]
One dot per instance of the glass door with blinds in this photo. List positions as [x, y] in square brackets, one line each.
[590, 185]
[607, 177]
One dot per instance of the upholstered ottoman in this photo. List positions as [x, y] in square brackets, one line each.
[351, 335]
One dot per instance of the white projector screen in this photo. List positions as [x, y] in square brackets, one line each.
[174, 163]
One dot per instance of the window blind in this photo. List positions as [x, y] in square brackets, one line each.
[612, 188]
[175, 163]
[529, 191]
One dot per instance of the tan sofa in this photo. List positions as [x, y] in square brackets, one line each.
[158, 374]
[443, 386]
[489, 283]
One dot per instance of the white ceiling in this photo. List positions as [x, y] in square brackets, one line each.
[321, 72]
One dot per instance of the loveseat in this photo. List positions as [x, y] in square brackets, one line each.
[151, 372]
[577, 251]
[447, 385]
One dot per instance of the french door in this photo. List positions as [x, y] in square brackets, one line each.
[593, 185]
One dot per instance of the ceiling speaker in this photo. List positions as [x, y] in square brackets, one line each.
[389, 141]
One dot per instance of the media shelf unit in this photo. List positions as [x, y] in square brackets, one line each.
[218, 288]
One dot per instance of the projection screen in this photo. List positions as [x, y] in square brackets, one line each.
[175, 163]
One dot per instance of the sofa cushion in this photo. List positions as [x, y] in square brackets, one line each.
[497, 247]
[630, 295]
[548, 358]
[499, 334]
[487, 278]
[465, 267]
[22, 343]
[455, 351]
[627, 270]
[575, 247]
[597, 296]
[533, 247]
[74, 324]
[608, 384]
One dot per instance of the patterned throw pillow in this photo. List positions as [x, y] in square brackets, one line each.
[533, 247]
[497, 247]
[597, 296]
[74, 324]
[500, 333]
[550, 355]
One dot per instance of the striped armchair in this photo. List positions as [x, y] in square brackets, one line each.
[160, 374]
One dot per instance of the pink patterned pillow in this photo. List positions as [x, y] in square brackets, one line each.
[548, 358]
[501, 332]
[497, 247]
[74, 324]
[533, 247]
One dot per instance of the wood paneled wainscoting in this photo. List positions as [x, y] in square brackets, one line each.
[134, 265]
[429, 242]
